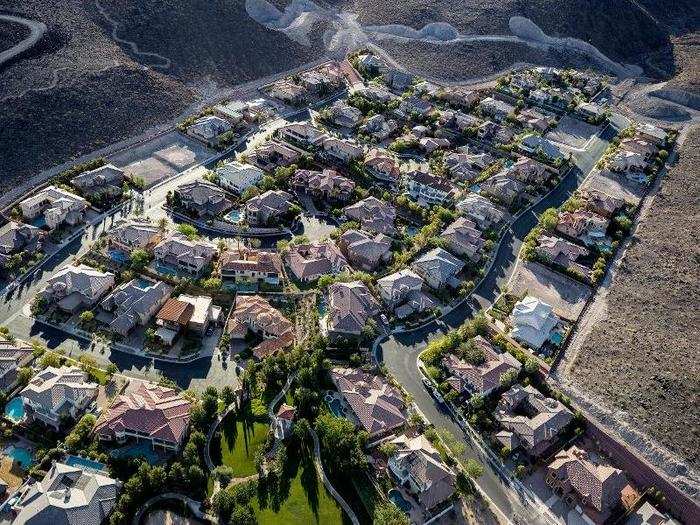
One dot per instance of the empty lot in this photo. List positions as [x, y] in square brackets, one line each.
[572, 132]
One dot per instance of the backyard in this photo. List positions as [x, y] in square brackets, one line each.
[241, 435]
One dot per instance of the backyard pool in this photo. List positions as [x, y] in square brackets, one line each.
[165, 270]
[14, 410]
[23, 456]
[85, 463]
[233, 216]
[397, 499]
[136, 450]
[118, 256]
[336, 407]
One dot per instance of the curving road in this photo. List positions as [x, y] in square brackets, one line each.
[36, 32]
[400, 351]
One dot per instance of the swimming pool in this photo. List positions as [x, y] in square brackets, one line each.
[118, 256]
[336, 407]
[14, 410]
[233, 216]
[23, 456]
[397, 499]
[84, 463]
[165, 270]
[135, 450]
[142, 283]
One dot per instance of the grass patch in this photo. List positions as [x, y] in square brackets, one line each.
[241, 435]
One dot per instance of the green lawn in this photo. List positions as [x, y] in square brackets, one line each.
[241, 437]
[299, 498]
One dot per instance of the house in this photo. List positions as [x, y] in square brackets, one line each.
[208, 129]
[146, 412]
[539, 97]
[439, 268]
[375, 93]
[173, 318]
[308, 262]
[302, 134]
[625, 160]
[69, 495]
[273, 204]
[134, 303]
[57, 393]
[428, 189]
[350, 307]
[16, 238]
[583, 225]
[636, 144]
[398, 80]
[418, 467]
[328, 184]
[652, 133]
[204, 314]
[538, 145]
[57, 206]
[287, 91]
[370, 64]
[284, 421]
[503, 188]
[524, 80]
[201, 198]
[535, 421]
[254, 314]
[13, 356]
[459, 166]
[382, 165]
[402, 292]
[578, 474]
[373, 215]
[364, 251]
[378, 406]
[532, 321]
[482, 211]
[601, 203]
[647, 514]
[272, 155]
[430, 144]
[134, 235]
[481, 378]
[105, 180]
[563, 253]
[463, 238]
[185, 255]
[343, 151]
[459, 97]
[343, 115]
[496, 109]
[238, 177]
[235, 111]
[244, 264]
[528, 171]
[378, 127]
[76, 287]
[533, 119]
[416, 107]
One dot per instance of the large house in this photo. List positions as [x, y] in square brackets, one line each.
[350, 306]
[540, 145]
[528, 171]
[378, 127]
[418, 467]
[496, 109]
[578, 474]
[625, 160]
[146, 412]
[378, 406]
[459, 166]
[243, 264]
[482, 211]
[533, 321]
[254, 314]
[274, 154]
[303, 134]
[344, 115]
[57, 205]
[57, 393]
[652, 133]
[402, 292]
[189, 256]
[482, 378]
[16, 238]
[105, 180]
[75, 287]
[340, 150]
[583, 225]
[187, 312]
[208, 129]
[601, 203]
[382, 166]
[328, 184]
[504, 188]
[238, 177]
[67, 495]
[261, 209]
[373, 215]
[563, 253]
[134, 303]
[428, 189]
[13, 356]
[530, 420]
[364, 251]
[134, 235]
[438, 268]
[202, 198]
[308, 262]
[463, 238]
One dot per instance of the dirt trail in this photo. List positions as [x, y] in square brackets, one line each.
[36, 32]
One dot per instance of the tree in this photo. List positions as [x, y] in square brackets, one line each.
[24, 374]
[212, 284]
[79, 436]
[228, 395]
[342, 443]
[86, 317]
[531, 366]
[472, 354]
[188, 231]
[112, 369]
[508, 378]
[139, 259]
[243, 515]
[549, 219]
[520, 471]
[473, 468]
[389, 514]
[388, 449]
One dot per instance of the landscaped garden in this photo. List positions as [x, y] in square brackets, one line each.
[240, 435]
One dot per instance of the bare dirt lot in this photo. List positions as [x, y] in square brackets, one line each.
[615, 185]
[640, 355]
[566, 296]
[572, 132]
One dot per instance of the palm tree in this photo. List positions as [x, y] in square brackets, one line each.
[163, 224]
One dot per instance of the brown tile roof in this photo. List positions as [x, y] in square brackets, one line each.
[176, 311]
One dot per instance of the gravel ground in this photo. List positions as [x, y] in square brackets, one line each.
[11, 34]
[640, 356]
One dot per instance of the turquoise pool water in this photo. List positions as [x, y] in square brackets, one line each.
[118, 256]
[397, 499]
[556, 338]
[21, 455]
[135, 450]
[233, 216]
[14, 410]
[85, 463]
[336, 407]
[165, 270]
